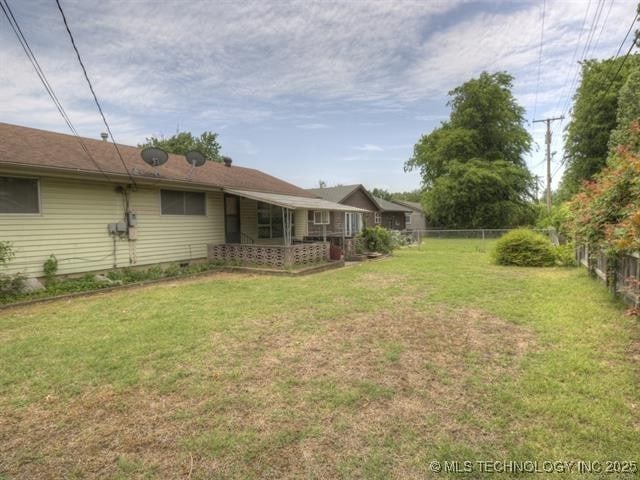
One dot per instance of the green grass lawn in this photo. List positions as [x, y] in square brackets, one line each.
[371, 371]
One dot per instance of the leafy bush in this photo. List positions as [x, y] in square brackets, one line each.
[559, 218]
[6, 252]
[398, 239]
[72, 285]
[526, 248]
[11, 287]
[377, 239]
[50, 267]
[606, 212]
[565, 255]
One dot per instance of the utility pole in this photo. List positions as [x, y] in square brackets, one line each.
[538, 182]
[547, 140]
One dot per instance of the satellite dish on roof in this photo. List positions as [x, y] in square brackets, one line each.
[154, 156]
[195, 158]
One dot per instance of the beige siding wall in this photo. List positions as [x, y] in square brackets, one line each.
[301, 220]
[73, 222]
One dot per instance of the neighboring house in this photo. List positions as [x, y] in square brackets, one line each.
[392, 215]
[416, 220]
[350, 223]
[95, 212]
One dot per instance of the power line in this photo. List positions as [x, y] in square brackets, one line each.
[95, 97]
[585, 51]
[594, 26]
[535, 102]
[15, 26]
[633, 44]
[604, 23]
[577, 67]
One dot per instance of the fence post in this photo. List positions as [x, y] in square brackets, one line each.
[483, 233]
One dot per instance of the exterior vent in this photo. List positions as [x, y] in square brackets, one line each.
[227, 161]
[104, 136]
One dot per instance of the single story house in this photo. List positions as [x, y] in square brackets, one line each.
[349, 224]
[392, 215]
[416, 220]
[78, 200]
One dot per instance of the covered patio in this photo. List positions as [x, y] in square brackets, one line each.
[274, 230]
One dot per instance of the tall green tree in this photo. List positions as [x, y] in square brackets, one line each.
[381, 193]
[184, 142]
[410, 196]
[473, 165]
[628, 110]
[593, 118]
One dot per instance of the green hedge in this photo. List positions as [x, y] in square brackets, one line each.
[524, 248]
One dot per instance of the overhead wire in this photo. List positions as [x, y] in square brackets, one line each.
[633, 44]
[583, 56]
[93, 93]
[604, 22]
[576, 68]
[17, 30]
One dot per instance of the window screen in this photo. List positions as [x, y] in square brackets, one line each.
[19, 195]
[194, 203]
[182, 203]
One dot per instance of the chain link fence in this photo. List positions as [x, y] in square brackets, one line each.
[476, 233]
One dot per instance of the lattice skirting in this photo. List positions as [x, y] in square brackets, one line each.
[277, 256]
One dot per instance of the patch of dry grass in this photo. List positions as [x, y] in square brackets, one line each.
[294, 403]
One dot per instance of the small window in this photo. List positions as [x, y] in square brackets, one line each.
[176, 202]
[407, 218]
[376, 218]
[321, 217]
[19, 195]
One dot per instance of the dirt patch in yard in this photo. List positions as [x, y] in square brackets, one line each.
[338, 398]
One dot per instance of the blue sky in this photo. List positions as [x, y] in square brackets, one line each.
[338, 91]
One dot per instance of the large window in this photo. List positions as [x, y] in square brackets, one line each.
[19, 195]
[175, 202]
[270, 221]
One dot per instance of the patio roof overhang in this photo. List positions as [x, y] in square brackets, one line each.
[293, 202]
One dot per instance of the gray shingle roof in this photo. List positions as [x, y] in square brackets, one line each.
[387, 206]
[334, 194]
[412, 205]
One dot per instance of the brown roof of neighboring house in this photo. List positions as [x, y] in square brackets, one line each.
[30, 147]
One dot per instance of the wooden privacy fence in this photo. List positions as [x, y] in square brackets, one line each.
[621, 273]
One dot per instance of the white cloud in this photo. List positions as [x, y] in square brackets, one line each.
[368, 147]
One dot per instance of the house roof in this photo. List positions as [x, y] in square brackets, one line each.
[335, 194]
[45, 150]
[412, 205]
[294, 202]
[387, 206]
